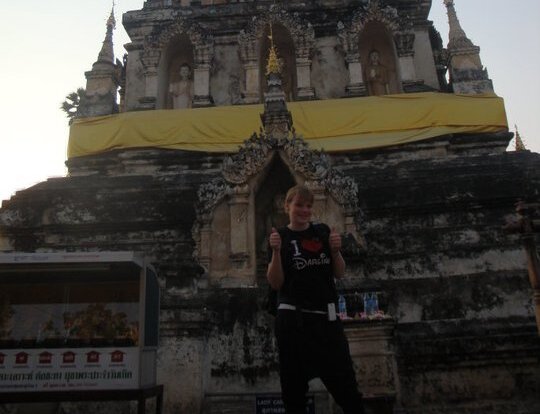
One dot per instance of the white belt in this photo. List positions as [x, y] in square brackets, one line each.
[286, 306]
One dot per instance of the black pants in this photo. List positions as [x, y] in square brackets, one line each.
[310, 348]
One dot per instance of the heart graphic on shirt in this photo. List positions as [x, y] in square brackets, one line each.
[312, 246]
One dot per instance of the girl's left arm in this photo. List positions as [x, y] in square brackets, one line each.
[338, 263]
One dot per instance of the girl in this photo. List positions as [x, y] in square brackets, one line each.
[305, 260]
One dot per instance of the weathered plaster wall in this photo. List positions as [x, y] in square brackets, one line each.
[455, 283]
[423, 58]
[135, 85]
[329, 59]
[226, 66]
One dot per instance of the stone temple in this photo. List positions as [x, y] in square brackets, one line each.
[183, 149]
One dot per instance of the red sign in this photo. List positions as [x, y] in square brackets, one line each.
[117, 356]
[45, 358]
[68, 357]
[92, 357]
[21, 358]
[45, 369]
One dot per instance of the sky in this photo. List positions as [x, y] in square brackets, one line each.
[47, 47]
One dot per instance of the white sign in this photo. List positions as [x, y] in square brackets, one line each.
[62, 369]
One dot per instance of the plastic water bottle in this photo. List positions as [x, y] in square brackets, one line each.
[371, 303]
[375, 303]
[342, 307]
[367, 304]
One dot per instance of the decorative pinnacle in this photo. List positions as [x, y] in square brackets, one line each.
[111, 21]
[457, 37]
[520, 146]
[107, 51]
[274, 64]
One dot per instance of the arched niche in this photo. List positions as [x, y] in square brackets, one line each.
[376, 37]
[236, 211]
[180, 40]
[232, 239]
[269, 211]
[284, 45]
[179, 52]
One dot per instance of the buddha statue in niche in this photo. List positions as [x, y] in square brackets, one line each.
[376, 75]
[181, 91]
[235, 91]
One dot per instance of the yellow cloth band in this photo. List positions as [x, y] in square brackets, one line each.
[332, 125]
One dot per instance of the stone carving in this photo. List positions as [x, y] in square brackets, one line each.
[247, 162]
[348, 41]
[314, 165]
[150, 59]
[344, 189]
[404, 43]
[209, 195]
[247, 43]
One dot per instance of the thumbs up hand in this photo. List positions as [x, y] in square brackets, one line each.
[275, 240]
[334, 240]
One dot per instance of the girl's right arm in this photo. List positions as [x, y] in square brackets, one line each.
[274, 274]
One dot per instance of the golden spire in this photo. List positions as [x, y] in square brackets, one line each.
[520, 146]
[274, 63]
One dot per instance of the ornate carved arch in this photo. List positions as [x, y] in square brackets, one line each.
[301, 31]
[302, 37]
[202, 41]
[253, 156]
[400, 40]
[153, 59]
[399, 26]
[231, 197]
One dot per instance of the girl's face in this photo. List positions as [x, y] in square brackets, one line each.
[299, 211]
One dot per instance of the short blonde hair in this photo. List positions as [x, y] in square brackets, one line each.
[301, 191]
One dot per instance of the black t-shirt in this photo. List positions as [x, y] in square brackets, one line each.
[307, 267]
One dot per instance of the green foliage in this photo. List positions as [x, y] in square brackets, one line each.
[71, 105]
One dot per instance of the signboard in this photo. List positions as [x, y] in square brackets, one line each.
[62, 369]
[77, 321]
[273, 404]
[64, 257]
